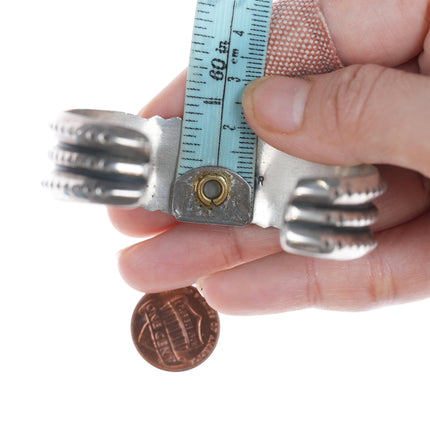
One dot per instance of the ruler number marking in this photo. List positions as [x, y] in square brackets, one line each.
[227, 52]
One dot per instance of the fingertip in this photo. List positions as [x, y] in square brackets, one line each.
[142, 271]
[247, 97]
[138, 222]
[169, 103]
[126, 260]
[276, 103]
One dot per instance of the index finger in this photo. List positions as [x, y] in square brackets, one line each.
[384, 32]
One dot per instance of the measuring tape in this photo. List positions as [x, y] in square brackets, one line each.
[216, 164]
[203, 169]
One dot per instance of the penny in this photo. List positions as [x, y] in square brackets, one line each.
[175, 330]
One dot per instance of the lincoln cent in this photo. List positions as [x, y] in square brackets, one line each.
[175, 330]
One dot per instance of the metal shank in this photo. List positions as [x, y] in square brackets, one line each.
[322, 211]
[114, 158]
[121, 159]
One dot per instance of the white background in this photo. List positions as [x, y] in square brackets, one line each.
[66, 359]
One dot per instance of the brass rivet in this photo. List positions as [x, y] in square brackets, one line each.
[212, 189]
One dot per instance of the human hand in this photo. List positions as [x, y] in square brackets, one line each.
[360, 114]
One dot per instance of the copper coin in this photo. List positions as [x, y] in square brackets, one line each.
[175, 330]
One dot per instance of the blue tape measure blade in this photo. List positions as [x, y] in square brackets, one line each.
[228, 51]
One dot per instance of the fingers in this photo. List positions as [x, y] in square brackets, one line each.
[199, 250]
[398, 271]
[378, 42]
[157, 264]
[360, 114]
[385, 32]
[169, 103]
[407, 197]
[139, 222]
[424, 58]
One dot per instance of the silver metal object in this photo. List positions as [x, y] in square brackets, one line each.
[114, 158]
[124, 160]
[229, 205]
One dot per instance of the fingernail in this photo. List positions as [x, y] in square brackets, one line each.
[277, 102]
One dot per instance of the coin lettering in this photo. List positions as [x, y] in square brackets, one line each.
[175, 330]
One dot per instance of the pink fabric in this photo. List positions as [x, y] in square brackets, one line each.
[300, 43]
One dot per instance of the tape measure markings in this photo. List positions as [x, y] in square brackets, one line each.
[224, 59]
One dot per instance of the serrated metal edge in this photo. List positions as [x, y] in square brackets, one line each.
[354, 190]
[99, 162]
[76, 187]
[337, 216]
[327, 242]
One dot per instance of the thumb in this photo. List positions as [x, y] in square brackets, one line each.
[360, 114]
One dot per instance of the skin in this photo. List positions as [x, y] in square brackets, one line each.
[375, 110]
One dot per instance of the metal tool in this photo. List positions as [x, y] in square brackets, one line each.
[209, 167]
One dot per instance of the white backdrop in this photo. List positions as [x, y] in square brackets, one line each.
[67, 360]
